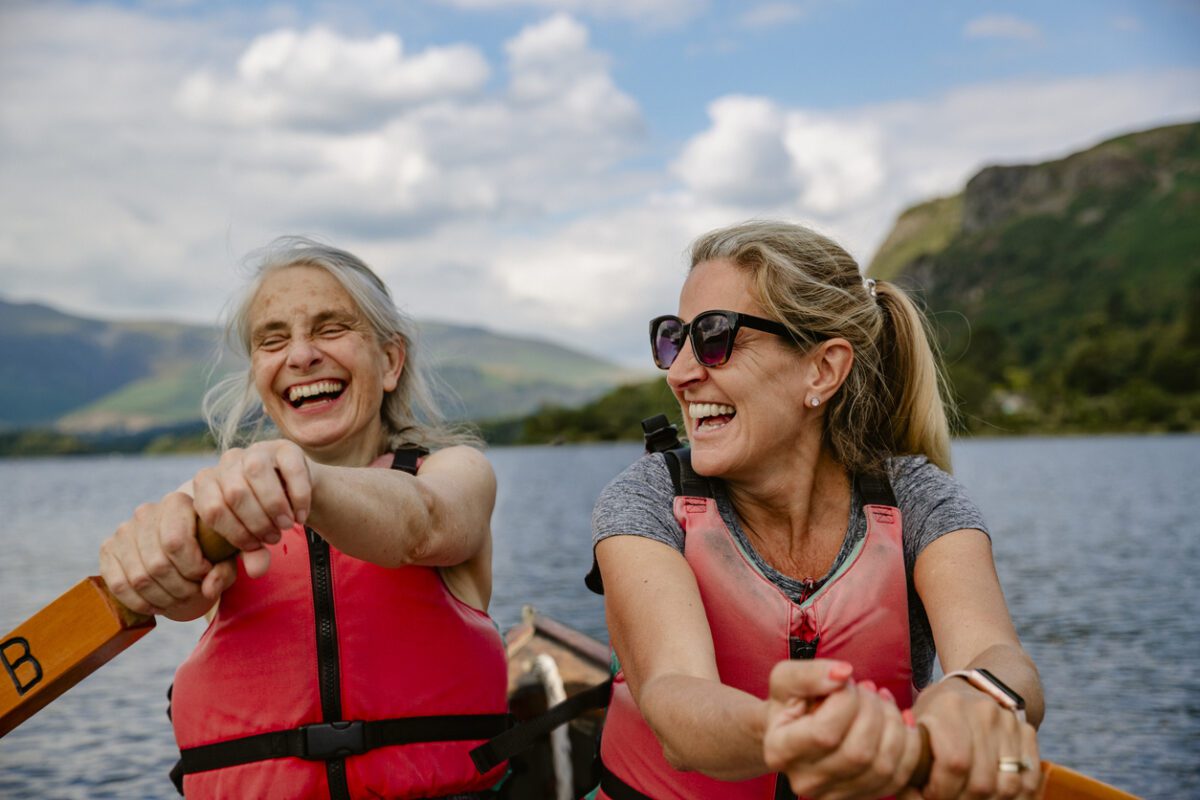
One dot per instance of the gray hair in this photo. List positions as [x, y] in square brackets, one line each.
[410, 414]
[892, 401]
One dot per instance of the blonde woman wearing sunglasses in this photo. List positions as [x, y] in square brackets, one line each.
[776, 593]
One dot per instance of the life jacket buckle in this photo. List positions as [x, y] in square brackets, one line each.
[328, 740]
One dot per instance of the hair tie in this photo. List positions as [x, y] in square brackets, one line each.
[869, 285]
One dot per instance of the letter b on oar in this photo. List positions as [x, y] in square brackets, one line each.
[12, 665]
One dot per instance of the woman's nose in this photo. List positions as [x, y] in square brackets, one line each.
[685, 369]
[302, 354]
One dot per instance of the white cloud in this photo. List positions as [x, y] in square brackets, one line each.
[651, 12]
[741, 158]
[1002, 26]
[321, 78]
[757, 154]
[851, 172]
[128, 190]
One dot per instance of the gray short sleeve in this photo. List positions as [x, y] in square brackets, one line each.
[931, 502]
[640, 502]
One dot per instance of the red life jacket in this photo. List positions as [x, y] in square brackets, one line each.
[334, 677]
[859, 615]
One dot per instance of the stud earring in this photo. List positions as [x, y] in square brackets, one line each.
[814, 401]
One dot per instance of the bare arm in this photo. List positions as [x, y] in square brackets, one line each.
[956, 579]
[440, 517]
[659, 630]
[437, 518]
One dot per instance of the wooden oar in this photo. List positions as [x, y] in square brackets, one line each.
[72, 637]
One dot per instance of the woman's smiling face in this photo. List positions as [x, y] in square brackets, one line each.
[742, 413]
[318, 366]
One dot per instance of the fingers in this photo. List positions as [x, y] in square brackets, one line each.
[117, 551]
[952, 758]
[856, 744]
[808, 679]
[152, 563]
[256, 562]
[293, 468]
[795, 738]
[971, 737]
[255, 493]
[1031, 780]
[220, 578]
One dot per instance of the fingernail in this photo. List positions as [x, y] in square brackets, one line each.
[283, 522]
[886, 694]
[908, 718]
[868, 685]
[302, 516]
[840, 671]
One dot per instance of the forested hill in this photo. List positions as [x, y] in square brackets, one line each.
[93, 376]
[1066, 295]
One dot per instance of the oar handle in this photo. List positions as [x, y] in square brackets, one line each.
[212, 544]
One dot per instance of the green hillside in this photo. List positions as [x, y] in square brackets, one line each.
[1067, 295]
[91, 377]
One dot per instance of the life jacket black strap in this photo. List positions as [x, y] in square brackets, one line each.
[492, 753]
[660, 434]
[687, 482]
[616, 788]
[328, 740]
[875, 490]
[405, 459]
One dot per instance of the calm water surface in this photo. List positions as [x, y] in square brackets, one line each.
[1096, 542]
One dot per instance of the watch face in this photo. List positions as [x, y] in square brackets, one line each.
[1002, 686]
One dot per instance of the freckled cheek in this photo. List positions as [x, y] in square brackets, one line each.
[262, 374]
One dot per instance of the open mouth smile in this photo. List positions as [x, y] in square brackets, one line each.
[710, 416]
[316, 392]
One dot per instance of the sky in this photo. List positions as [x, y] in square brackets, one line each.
[536, 167]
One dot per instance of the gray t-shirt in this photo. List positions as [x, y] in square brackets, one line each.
[639, 502]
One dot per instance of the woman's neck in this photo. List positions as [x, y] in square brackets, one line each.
[796, 515]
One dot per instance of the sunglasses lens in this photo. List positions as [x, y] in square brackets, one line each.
[666, 341]
[710, 337]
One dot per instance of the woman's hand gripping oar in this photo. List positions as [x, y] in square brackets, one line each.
[72, 637]
[833, 737]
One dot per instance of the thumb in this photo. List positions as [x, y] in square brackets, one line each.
[219, 578]
[808, 679]
[256, 562]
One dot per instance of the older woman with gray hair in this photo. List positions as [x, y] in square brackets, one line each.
[775, 592]
[349, 652]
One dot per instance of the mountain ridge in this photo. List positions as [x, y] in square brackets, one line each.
[1065, 293]
[84, 375]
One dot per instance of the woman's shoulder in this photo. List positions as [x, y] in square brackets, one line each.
[931, 499]
[638, 501]
[648, 475]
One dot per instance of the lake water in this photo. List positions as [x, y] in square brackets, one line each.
[1096, 541]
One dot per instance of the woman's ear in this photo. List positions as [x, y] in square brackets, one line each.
[831, 361]
[394, 354]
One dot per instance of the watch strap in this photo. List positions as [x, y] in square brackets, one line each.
[990, 685]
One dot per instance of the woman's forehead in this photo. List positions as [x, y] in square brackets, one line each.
[718, 284]
[300, 290]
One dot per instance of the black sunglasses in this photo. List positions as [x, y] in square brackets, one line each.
[712, 334]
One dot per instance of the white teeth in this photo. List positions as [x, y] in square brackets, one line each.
[702, 410]
[310, 389]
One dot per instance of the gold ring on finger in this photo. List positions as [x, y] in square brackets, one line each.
[1015, 765]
